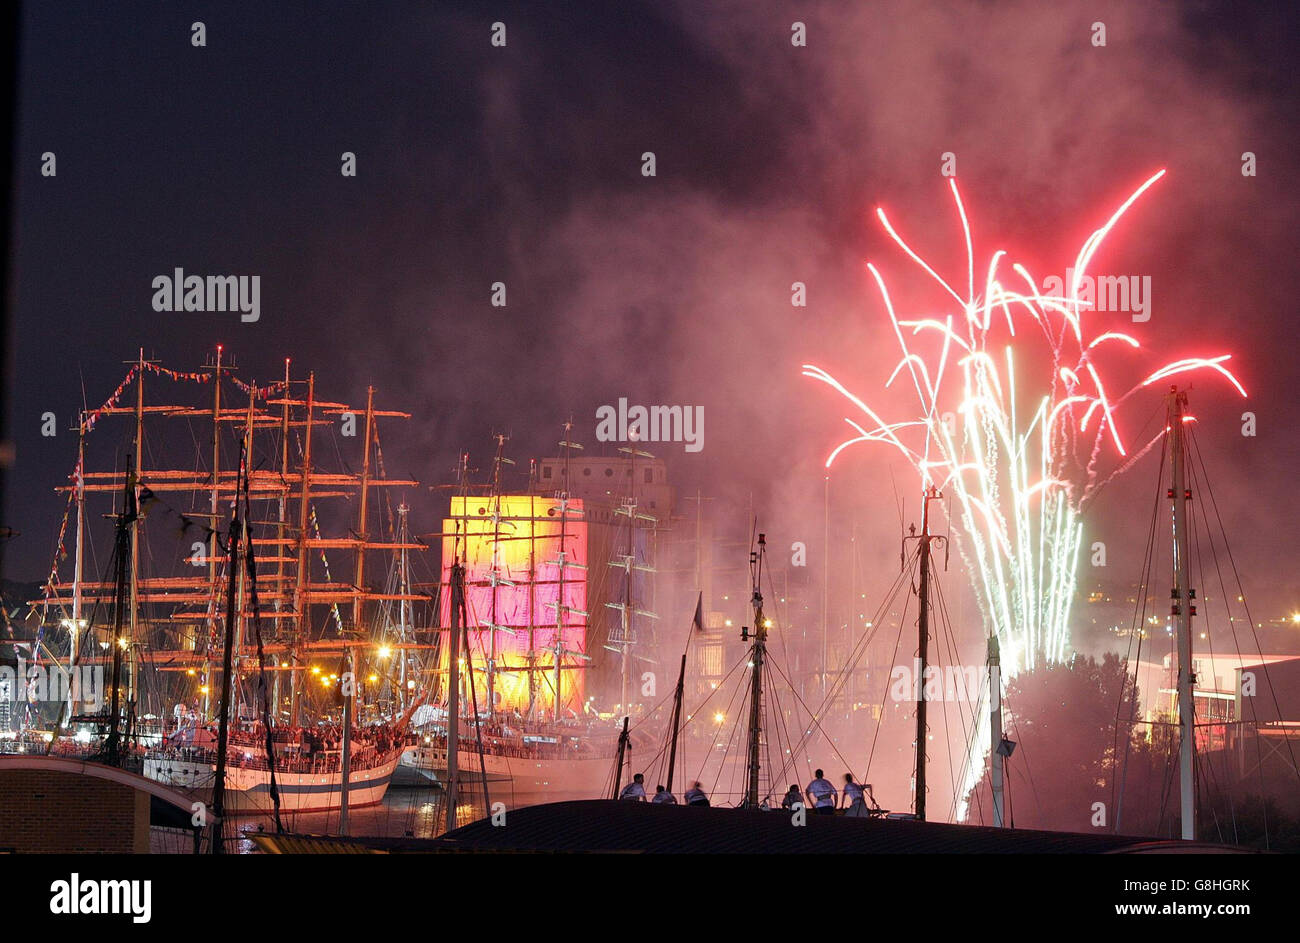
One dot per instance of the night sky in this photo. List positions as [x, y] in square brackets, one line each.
[522, 164]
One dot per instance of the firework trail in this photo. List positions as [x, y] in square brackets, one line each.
[1020, 475]
[1019, 453]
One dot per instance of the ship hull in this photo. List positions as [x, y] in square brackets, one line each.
[545, 780]
[248, 790]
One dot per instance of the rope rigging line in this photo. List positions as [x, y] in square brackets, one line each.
[1137, 632]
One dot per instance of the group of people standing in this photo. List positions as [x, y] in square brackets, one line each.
[635, 791]
[820, 795]
[824, 799]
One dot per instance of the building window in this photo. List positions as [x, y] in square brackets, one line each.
[649, 475]
[711, 660]
[546, 471]
[586, 471]
[609, 472]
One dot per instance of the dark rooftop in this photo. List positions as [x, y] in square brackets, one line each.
[605, 826]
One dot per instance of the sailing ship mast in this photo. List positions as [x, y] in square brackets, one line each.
[227, 654]
[562, 609]
[126, 524]
[453, 691]
[349, 684]
[495, 575]
[78, 553]
[404, 605]
[627, 562]
[192, 597]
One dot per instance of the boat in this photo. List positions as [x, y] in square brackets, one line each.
[515, 589]
[305, 781]
[540, 762]
[295, 650]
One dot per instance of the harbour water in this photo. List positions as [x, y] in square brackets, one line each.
[410, 813]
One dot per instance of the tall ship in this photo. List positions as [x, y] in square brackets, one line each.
[235, 626]
[543, 683]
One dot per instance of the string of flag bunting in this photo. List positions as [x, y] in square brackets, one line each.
[91, 418]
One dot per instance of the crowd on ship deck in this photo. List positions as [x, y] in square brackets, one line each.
[314, 749]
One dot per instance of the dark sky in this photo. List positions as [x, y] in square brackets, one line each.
[522, 164]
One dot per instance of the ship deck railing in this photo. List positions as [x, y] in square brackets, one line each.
[364, 759]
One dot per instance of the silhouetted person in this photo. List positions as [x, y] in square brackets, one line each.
[635, 790]
[792, 797]
[663, 797]
[695, 795]
[854, 798]
[821, 795]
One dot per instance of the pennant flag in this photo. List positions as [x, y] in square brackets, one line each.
[698, 622]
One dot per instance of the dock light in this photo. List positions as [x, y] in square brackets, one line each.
[122, 643]
[719, 717]
[204, 689]
[767, 623]
[315, 669]
[1295, 617]
[373, 678]
[191, 672]
[384, 651]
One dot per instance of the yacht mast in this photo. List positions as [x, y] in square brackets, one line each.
[758, 654]
[1183, 608]
[998, 757]
[923, 639]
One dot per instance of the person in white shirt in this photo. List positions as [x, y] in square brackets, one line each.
[663, 797]
[821, 795]
[635, 790]
[853, 798]
[695, 795]
[792, 797]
